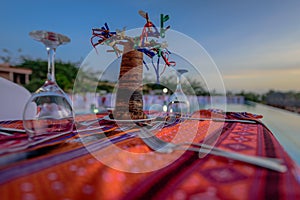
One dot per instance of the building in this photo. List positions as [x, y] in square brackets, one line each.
[15, 74]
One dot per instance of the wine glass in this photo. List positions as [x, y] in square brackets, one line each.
[178, 104]
[49, 109]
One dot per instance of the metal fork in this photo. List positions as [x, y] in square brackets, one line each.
[161, 146]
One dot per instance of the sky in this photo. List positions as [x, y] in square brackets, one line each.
[254, 44]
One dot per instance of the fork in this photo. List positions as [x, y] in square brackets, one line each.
[161, 146]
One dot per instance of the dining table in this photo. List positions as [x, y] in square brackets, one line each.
[104, 159]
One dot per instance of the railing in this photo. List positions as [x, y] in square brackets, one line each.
[90, 101]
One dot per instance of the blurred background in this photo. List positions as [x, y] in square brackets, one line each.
[254, 44]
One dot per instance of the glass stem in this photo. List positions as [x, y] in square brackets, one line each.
[51, 64]
[178, 87]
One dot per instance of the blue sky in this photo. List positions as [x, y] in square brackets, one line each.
[255, 44]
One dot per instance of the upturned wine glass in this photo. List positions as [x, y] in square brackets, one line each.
[178, 103]
[49, 109]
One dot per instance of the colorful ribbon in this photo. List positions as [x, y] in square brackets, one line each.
[103, 33]
[141, 43]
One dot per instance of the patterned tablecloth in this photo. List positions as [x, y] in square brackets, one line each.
[111, 163]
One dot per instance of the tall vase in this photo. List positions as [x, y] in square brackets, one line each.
[129, 97]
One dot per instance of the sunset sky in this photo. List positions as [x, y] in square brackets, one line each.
[254, 44]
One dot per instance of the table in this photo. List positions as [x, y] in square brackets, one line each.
[120, 165]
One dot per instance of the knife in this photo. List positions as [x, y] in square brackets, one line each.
[15, 157]
[12, 130]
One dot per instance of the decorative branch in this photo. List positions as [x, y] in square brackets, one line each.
[143, 43]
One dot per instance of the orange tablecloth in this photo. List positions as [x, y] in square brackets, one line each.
[83, 167]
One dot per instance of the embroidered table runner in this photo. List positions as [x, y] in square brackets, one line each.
[113, 163]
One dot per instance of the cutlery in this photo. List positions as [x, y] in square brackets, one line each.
[19, 156]
[7, 134]
[89, 122]
[4, 129]
[161, 146]
[15, 157]
[37, 142]
[220, 120]
[32, 143]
